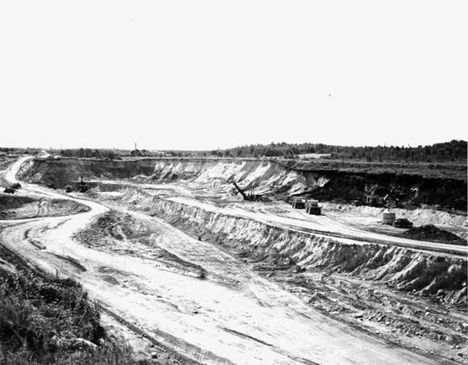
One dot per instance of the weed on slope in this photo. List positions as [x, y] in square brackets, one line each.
[52, 321]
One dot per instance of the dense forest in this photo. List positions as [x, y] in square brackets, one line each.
[455, 150]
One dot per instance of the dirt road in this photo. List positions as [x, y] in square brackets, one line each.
[232, 316]
[326, 226]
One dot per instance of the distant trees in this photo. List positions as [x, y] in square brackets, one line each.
[17, 150]
[271, 150]
[89, 153]
[455, 150]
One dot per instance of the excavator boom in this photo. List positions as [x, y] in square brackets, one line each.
[240, 191]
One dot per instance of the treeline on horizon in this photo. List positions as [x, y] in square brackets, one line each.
[455, 151]
[72, 152]
[89, 153]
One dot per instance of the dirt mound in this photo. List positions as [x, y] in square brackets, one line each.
[18, 207]
[430, 232]
[6, 160]
[8, 201]
[123, 234]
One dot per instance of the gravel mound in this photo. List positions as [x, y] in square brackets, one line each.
[430, 232]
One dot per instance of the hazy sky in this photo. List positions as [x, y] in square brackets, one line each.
[206, 74]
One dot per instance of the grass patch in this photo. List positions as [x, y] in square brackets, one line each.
[51, 320]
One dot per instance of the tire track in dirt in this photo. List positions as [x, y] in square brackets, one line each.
[293, 340]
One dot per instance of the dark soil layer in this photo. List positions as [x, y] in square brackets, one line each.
[451, 170]
[6, 160]
[8, 201]
[68, 171]
[409, 188]
[407, 191]
[432, 233]
[20, 207]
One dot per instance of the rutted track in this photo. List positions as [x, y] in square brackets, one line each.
[256, 323]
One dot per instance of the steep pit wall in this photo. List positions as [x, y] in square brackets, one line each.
[278, 248]
[407, 191]
[265, 176]
[67, 171]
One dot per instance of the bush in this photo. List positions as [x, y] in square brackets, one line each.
[47, 320]
[34, 311]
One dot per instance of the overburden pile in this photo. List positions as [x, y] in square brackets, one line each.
[429, 232]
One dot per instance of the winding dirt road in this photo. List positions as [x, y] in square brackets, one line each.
[233, 316]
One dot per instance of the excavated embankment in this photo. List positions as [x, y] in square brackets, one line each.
[278, 248]
[408, 191]
[20, 207]
[67, 171]
[265, 176]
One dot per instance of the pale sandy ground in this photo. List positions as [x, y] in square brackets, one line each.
[255, 322]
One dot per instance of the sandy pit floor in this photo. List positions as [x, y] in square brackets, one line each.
[162, 287]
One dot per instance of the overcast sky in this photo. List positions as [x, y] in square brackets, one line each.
[206, 74]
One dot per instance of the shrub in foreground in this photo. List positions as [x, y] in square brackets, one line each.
[52, 321]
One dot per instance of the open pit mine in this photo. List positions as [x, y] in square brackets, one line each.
[245, 261]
